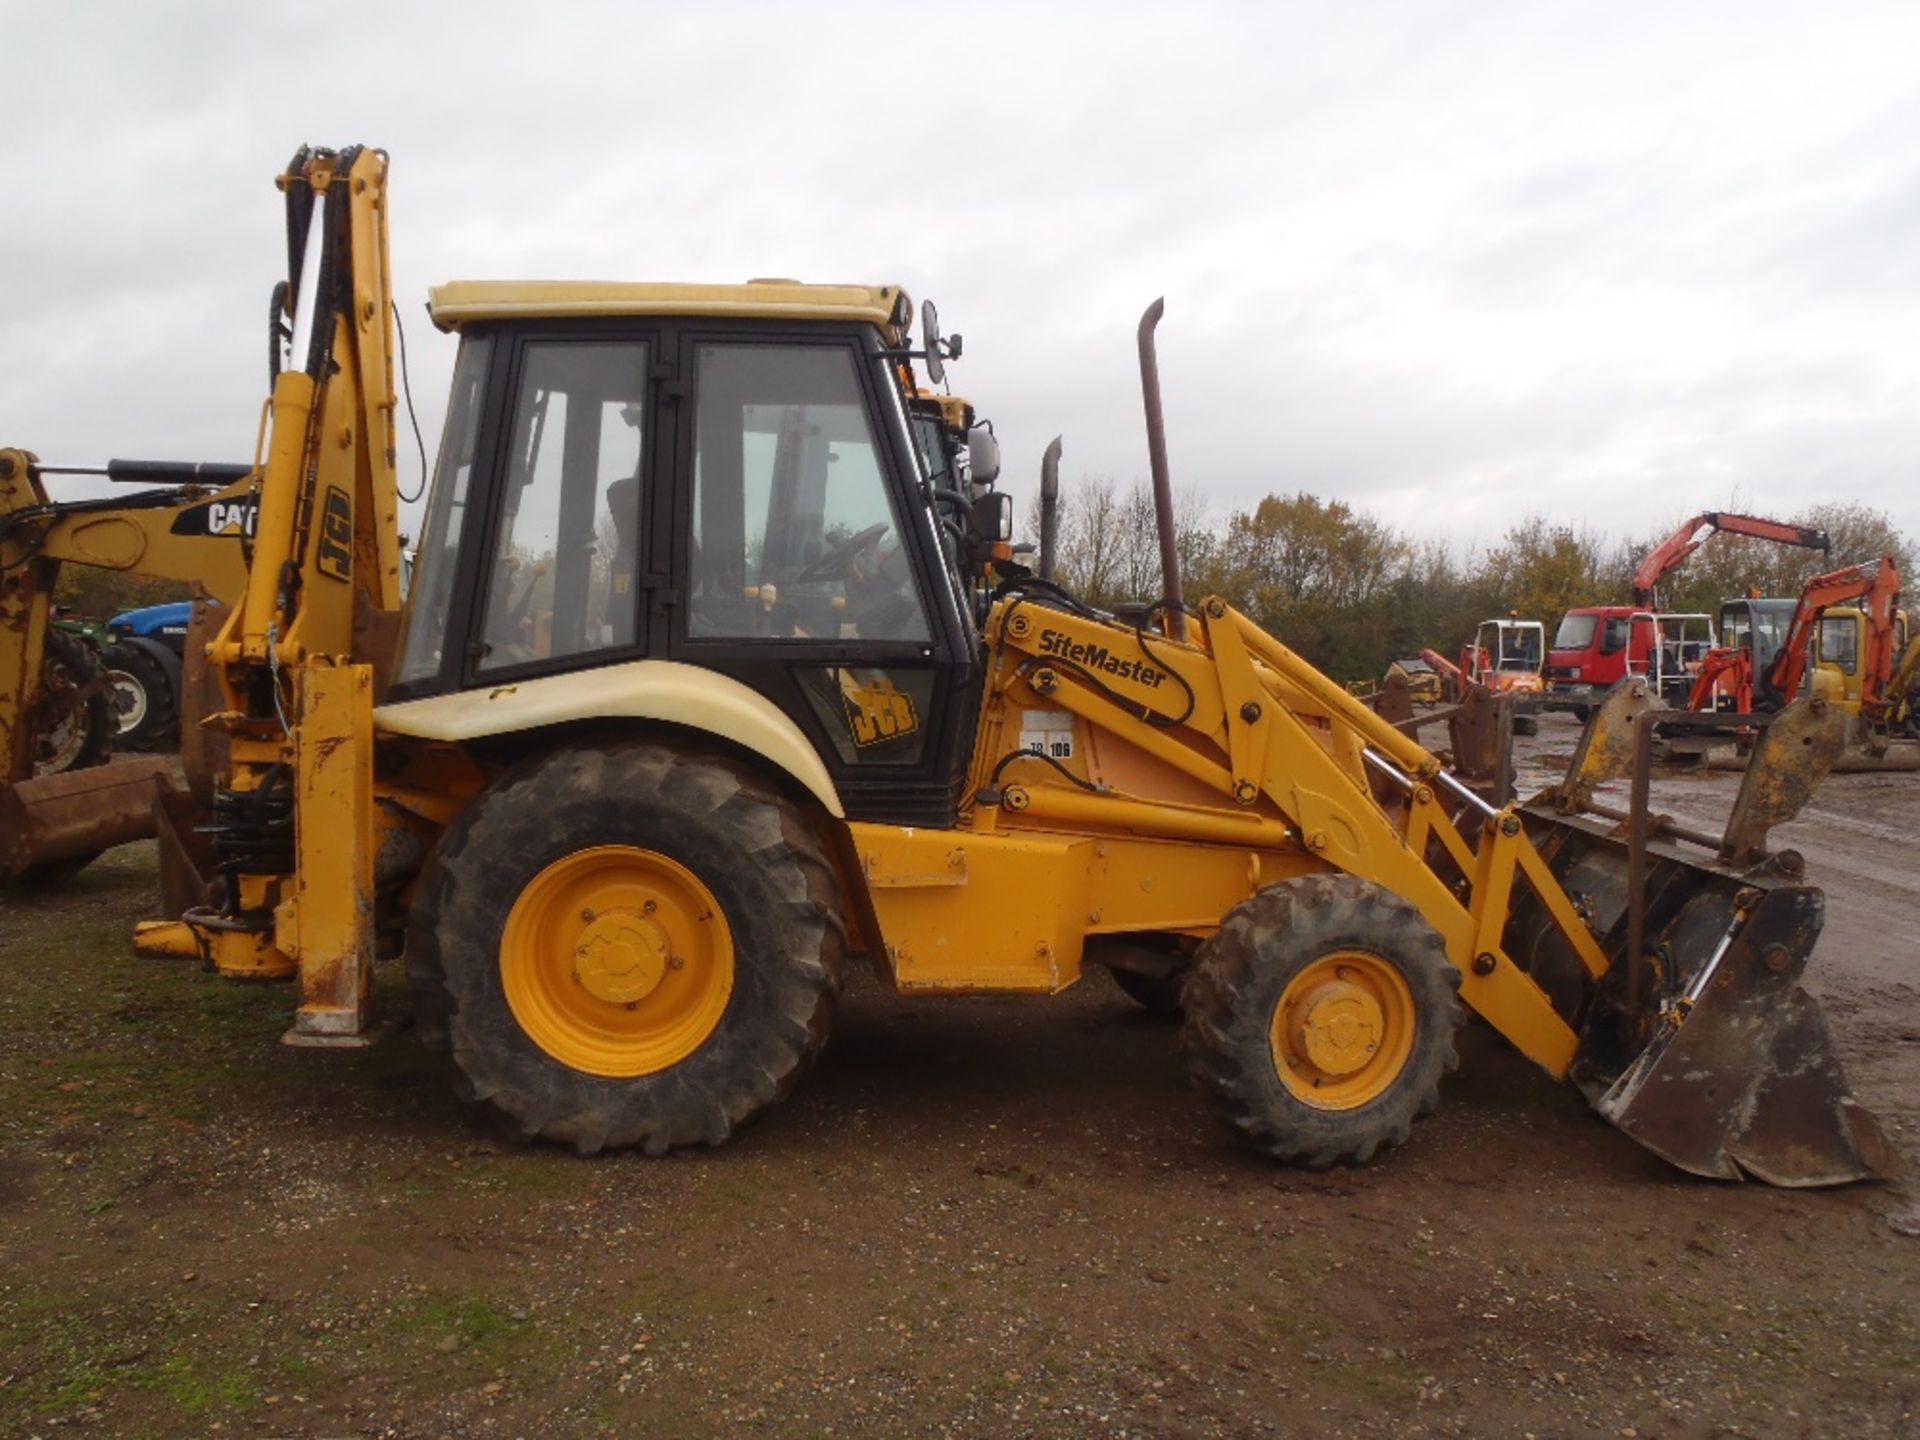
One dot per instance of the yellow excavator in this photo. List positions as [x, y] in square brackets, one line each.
[701, 688]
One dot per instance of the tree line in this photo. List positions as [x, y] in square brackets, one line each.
[1352, 593]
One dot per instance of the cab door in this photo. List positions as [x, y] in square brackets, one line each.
[806, 563]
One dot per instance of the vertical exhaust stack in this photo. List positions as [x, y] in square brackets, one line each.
[1162, 486]
[1049, 508]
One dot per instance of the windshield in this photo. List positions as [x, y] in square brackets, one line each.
[1520, 647]
[1575, 632]
[430, 589]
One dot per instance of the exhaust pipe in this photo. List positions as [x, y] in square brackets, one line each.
[1049, 507]
[1162, 486]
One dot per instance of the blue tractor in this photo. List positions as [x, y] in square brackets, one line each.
[143, 665]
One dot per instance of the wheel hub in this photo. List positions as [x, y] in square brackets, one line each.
[617, 960]
[621, 957]
[1338, 1027]
[1343, 1029]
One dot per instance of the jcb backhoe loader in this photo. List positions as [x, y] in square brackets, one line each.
[692, 700]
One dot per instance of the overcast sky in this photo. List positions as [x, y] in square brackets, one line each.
[1452, 262]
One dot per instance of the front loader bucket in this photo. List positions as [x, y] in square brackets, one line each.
[1744, 1080]
[1698, 1041]
[53, 825]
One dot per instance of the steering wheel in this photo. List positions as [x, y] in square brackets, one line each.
[840, 558]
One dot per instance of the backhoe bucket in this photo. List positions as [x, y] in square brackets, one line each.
[52, 826]
[1698, 1041]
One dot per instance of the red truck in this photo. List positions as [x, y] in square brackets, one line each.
[1597, 646]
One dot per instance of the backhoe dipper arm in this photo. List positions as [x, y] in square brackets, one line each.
[328, 526]
[1668, 554]
[296, 656]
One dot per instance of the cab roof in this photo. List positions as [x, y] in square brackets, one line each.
[462, 302]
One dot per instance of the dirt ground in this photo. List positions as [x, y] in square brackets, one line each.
[977, 1218]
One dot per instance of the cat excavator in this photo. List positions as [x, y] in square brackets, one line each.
[702, 688]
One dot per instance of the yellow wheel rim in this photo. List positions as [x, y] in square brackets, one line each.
[1343, 1030]
[617, 961]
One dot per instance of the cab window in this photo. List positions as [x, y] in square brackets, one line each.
[560, 578]
[793, 532]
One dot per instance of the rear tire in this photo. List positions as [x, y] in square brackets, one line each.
[1320, 1020]
[83, 735]
[709, 892]
[144, 690]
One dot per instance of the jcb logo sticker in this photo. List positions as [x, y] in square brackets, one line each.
[876, 712]
[334, 558]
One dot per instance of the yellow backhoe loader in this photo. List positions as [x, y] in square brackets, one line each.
[696, 696]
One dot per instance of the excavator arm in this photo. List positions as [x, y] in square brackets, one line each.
[1877, 585]
[1664, 557]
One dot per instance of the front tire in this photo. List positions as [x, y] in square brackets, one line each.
[628, 946]
[1320, 1020]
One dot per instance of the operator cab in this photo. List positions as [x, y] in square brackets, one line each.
[722, 476]
[1760, 626]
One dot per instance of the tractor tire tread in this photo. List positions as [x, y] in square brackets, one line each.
[160, 726]
[753, 845]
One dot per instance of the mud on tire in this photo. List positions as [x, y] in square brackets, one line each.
[1238, 982]
[708, 813]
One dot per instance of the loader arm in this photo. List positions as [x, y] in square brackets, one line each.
[1662, 984]
[193, 534]
[1293, 760]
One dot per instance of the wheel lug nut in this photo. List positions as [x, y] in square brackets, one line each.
[674, 962]
[648, 908]
[586, 915]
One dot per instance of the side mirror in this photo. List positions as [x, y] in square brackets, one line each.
[991, 519]
[930, 338]
[983, 456]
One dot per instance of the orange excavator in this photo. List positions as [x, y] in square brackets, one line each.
[1741, 672]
